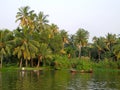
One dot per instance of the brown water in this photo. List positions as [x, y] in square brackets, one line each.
[59, 80]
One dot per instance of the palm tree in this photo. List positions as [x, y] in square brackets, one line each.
[5, 46]
[54, 29]
[56, 44]
[25, 17]
[116, 49]
[32, 21]
[81, 39]
[99, 44]
[44, 36]
[64, 36]
[41, 21]
[43, 52]
[110, 41]
[26, 46]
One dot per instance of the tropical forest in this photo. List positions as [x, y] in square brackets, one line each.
[38, 44]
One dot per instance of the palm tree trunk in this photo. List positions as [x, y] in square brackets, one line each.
[39, 59]
[26, 63]
[31, 62]
[1, 61]
[38, 63]
[99, 55]
[79, 51]
[21, 63]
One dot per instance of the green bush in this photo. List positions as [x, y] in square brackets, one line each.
[84, 65]
[61, 62]
[113, 65]
[118, 64]
[106, 64]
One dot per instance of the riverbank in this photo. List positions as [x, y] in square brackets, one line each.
[14, 68]
[94, 70]
[70, 64]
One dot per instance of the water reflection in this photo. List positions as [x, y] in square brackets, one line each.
[79, 81]
[96, 81]
[59, 80]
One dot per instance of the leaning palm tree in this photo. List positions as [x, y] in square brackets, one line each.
[81, 39]
[5, 46]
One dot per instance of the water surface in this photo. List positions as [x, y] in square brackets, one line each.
[59, 80]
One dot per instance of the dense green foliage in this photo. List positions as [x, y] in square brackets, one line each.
[36, 43]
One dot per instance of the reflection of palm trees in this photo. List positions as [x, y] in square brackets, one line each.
[22, 73]
[37, 73]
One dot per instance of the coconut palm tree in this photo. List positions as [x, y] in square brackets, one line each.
[81, 39]
[110, 41]
[64, 37]
[32, 21]
[26, 46]
[43, 52]
[99, 44]
[116, 49]
[54, 29]
[5, 46]
[41, 21]
[56, 44]
[25, 17]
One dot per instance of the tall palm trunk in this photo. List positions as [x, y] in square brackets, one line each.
[39, 59]
[26, 62]
[38, 64]
[31, 62]
[21, 63]
[99, 55]
[79, 46]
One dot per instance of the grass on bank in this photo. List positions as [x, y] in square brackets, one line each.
[60, 63]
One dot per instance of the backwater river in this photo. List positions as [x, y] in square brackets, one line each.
[59, 80]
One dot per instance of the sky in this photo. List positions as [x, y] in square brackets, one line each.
[98, 17]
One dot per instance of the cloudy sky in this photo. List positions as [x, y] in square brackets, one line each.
[98, 17]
